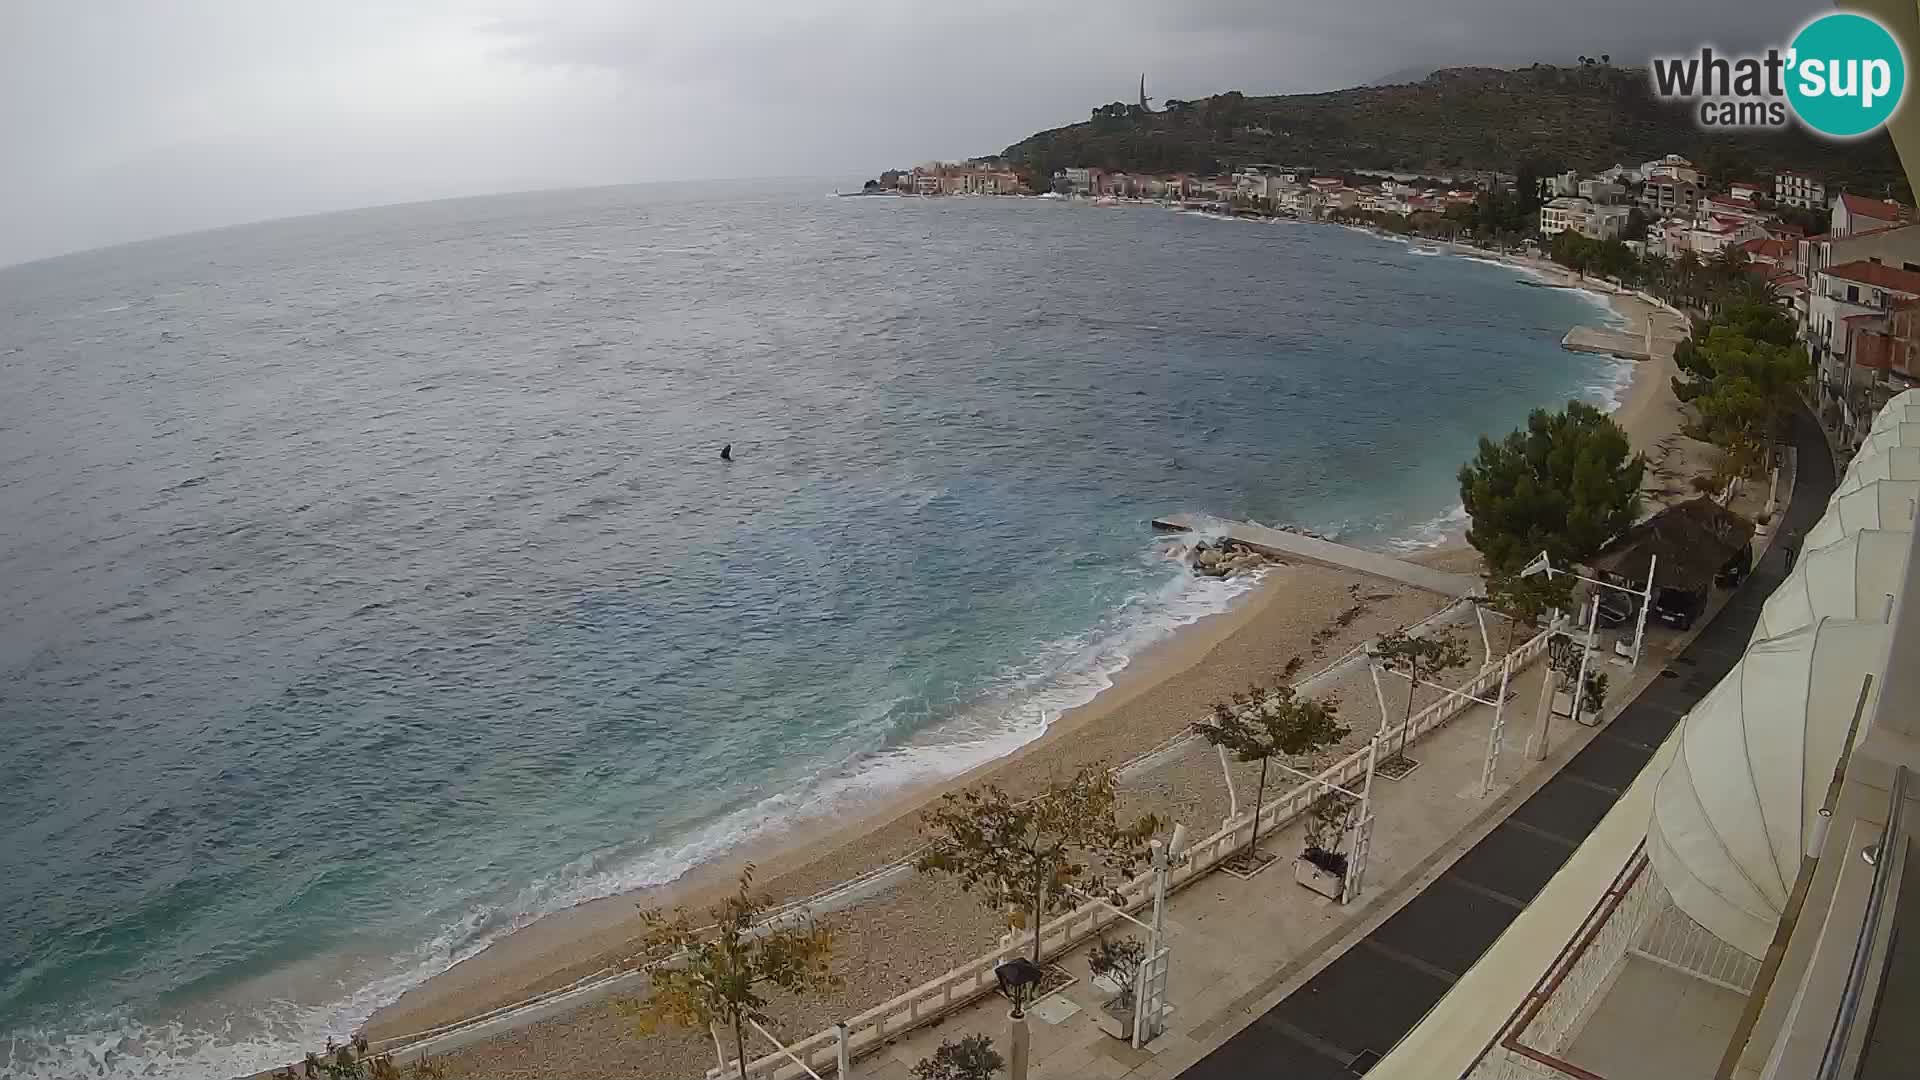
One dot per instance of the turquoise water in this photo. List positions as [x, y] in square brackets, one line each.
[372, 585]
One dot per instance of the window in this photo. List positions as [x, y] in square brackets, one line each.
[1853, 294]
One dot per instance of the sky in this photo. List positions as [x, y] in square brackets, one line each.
[125, 119]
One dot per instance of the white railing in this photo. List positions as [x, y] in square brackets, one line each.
[1673, 940]
[975, 979]
[1528, 1046]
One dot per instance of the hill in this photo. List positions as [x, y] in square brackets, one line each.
[1456, 120]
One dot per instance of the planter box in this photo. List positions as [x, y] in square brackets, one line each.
[1118, 1025]
[1326, 883]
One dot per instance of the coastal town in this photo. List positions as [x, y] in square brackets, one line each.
[1847, 264]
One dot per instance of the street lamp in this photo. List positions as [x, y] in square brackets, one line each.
[1019, 979]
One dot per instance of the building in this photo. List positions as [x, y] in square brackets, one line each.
[1601, 191]
[1845, 302]
[1583, 216]
[1706, 236]
[1856, 214]
[1667, 195]
[1798, 189]
[1744, 191]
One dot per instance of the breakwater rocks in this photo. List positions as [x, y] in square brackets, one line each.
[1226, 558]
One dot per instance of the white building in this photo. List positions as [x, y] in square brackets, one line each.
[1855, 214]
[1799, 189]
[1602, 191]
[1583, 216]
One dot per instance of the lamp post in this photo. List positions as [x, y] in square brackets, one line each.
[1019, 978]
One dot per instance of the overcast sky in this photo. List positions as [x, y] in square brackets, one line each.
[121, 120]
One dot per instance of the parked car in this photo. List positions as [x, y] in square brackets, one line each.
[1678, 607]
[1617, 609]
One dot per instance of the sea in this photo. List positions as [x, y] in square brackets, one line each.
[371, 584]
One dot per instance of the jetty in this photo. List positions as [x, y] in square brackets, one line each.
[1297, 546]
[1644, 345]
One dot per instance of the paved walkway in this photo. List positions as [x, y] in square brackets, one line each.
[1356, 1008]
[1237, 941]
[1326, 553]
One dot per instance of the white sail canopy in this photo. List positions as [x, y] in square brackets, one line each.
[1882, 504]
[1897, 412]
[1891, 463]
[1879, 439]
[1850, 578]
[1737, 804]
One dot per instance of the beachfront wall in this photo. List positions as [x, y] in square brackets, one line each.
[974, 979]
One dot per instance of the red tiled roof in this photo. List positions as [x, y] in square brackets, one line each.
[1783, 229]
[1874, 208]
[1766, 247]
[1872, 273]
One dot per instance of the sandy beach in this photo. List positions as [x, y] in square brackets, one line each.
[916, 928]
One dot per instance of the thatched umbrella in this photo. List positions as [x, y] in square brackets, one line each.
[1693, 540]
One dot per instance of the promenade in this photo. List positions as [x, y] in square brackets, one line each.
[1268, 979]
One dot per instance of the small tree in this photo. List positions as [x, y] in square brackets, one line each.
[1418, 658]
[1257, 724]
[1595, 697]
[716, 972]
[1119, 961]
[1565, 484]
[969, 1058]
[1040, 854]
[1328, 820]
[1525, 599]
[1564, 661]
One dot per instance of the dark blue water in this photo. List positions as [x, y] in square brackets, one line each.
[370, 583]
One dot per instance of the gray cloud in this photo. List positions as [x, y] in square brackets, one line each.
[123, 119]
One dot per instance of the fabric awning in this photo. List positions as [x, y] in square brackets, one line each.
[1738, 802]
[1891, 463]
[1882, 504]
[1898, 434]
[1897, 412]
[1850, 578]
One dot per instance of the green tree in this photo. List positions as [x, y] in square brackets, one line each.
[1418, 658]
[714, 975]
[1741, 373]
[1256, 724]
[1041, 854]
[971, 1057]
[1565, 484]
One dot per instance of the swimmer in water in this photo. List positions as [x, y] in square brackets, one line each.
[726, 452]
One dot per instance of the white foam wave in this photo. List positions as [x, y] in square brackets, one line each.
[1022, 701]
[1612, 393]
[1435, 531]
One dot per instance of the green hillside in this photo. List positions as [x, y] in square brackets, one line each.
[1457, 120]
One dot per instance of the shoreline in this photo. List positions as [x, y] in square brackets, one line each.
[1291, 603]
